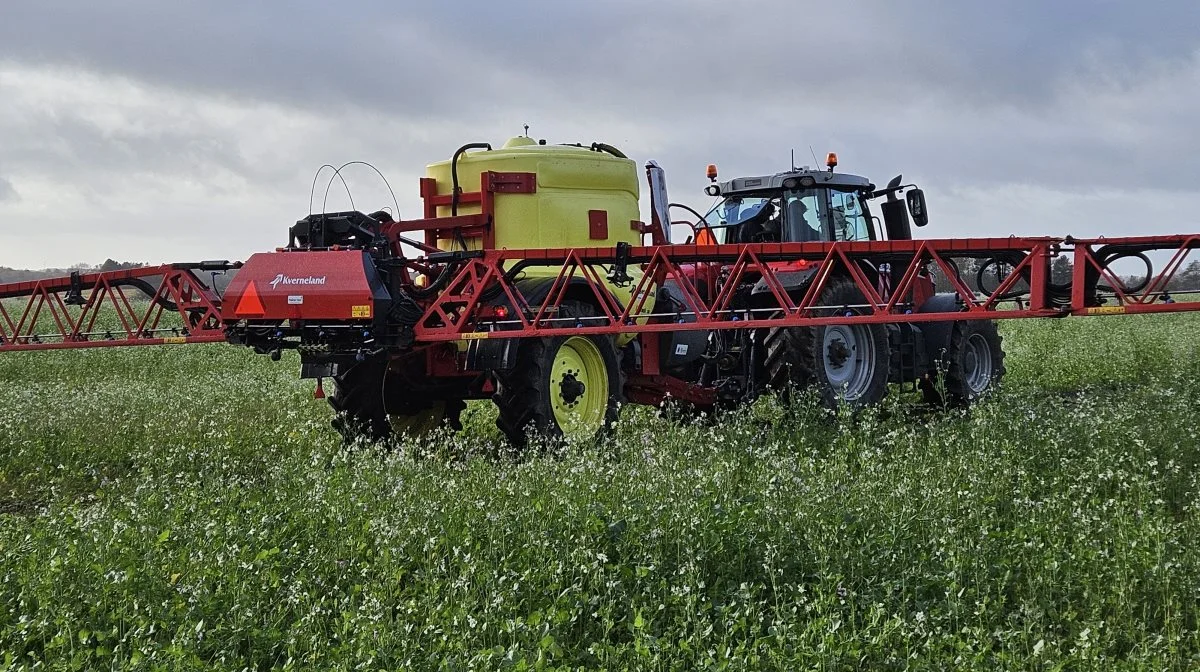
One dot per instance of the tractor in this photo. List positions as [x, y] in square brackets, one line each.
[848, 365]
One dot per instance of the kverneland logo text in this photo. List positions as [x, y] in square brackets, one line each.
[285, 280]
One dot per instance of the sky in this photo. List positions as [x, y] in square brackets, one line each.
[158, 131]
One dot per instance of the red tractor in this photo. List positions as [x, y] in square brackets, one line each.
[848, 364]
[527, 281]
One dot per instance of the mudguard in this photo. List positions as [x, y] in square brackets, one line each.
[680, 347]
[937, 334]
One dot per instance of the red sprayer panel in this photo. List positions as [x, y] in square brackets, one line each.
[311, 285]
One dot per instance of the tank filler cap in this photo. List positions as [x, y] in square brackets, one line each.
[520, 141]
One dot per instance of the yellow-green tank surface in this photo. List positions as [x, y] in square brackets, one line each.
[571, 181]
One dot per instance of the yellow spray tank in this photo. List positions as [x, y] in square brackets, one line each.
[583, 197]
[572, 182]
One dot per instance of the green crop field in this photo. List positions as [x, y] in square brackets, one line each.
[183, 508]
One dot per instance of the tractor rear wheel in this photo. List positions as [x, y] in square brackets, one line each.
[784, 367]
[969, 367]
[565, 387]
[370, 403]
[848, 364]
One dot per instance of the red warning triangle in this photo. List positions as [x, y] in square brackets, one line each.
[250, 304]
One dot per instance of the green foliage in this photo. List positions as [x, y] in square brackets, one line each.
[189, 508]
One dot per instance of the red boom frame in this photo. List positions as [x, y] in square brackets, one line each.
[45, 321]
[452, 314]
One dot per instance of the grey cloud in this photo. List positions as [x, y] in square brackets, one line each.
[315, 55]
[1080, 97]
[425, 58]
[7, 191]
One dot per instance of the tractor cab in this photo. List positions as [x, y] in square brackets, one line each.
[805, 205]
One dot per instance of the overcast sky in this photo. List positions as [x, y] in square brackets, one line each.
[160, 130]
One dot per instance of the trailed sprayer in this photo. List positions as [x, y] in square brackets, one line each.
[532, 280]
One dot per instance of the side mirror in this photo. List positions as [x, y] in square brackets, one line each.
[916, 205]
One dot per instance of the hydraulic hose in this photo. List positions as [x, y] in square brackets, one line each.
[443, 278]
[601, 147]
[454, 171]
[1058, 294]
[150, 292]
[997, 262]
[1108, 254]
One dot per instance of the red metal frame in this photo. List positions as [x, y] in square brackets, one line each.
[45, 320]
[481, 225]
[452, 315]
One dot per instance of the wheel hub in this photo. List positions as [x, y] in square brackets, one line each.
[570, 388]
[838, 353]
[850, 360]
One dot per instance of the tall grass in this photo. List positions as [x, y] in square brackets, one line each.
[189, 508]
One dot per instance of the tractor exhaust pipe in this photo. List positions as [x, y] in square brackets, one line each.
[659, 205]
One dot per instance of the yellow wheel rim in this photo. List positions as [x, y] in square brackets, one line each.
[579, 388]
[419, 423]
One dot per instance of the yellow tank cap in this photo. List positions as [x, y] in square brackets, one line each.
[520, 141]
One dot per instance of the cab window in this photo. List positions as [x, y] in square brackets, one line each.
[724, 219]
[848, 218]
[804, 217]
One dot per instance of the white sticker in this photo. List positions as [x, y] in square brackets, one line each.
[681, 349]
[295, 299]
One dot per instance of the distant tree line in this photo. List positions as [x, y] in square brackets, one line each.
[24, 275]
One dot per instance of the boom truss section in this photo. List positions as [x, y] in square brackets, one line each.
[172, 304]
[158, 305]
[889, 275]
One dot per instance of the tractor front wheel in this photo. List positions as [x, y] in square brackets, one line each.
[969, 367]
[565, 387]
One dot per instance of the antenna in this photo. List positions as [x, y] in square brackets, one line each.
[814, 155]
[527, 130]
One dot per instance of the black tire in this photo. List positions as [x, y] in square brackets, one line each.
[363, 410]
[523, 394]
[784, 368]
[808, 362]
[357, 401]
[969, 368]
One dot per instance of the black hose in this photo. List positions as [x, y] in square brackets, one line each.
[405, 311]
[996, 261]
[443, 278]
[601, 147]
[454, 171]
[1104, 258]
[150, 292]
[1058, 294]
[495, 289]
